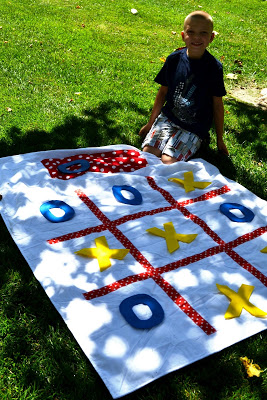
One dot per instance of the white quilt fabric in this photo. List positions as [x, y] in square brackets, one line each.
[183, 282]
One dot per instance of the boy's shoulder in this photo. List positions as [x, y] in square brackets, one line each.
[177, 54]
[180, 49]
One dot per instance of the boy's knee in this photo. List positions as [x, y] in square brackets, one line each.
[168, 159]
[152, 150]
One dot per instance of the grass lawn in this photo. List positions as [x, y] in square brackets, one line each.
[79, 73]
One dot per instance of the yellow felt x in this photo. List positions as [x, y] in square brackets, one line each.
[264, 250]
[189, 183]
[239, 301]
[171, 237]
[103, 253]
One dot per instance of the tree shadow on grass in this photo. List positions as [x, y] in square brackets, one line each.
[252, 127]
[96, 127]
[247, 129]
[221, 161]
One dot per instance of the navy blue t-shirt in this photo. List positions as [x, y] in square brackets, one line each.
[191, 85]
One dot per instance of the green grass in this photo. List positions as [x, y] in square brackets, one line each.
[50, 51]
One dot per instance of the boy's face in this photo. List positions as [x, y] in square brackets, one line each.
[197, 35]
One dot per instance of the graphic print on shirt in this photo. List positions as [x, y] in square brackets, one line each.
[184, 102]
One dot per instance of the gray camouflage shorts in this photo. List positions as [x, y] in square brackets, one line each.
[172, 140]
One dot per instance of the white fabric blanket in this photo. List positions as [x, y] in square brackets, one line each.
[185, 310]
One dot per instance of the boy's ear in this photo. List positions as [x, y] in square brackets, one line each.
[212, 37]
[182, 34]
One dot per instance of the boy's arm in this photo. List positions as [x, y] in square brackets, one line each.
[218, 114]
[158, 104]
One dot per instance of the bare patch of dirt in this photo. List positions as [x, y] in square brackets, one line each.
[256, 97]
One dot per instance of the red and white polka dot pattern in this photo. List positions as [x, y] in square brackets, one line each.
[78, 234]
[248, 236]
[206, 196]
[185, 306]
[115, 286]
[190, 260]
[247, 266]
[104, 162]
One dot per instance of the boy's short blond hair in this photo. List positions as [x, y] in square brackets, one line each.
[200, 15]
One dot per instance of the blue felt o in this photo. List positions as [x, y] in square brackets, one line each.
[118, 195]
[226, 208]
[45, 210]
[84, 166]
[132, 319]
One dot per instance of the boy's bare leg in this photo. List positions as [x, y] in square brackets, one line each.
[152, 150]
[168, 159]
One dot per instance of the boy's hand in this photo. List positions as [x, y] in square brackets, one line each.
[222, 147]
[144, 130]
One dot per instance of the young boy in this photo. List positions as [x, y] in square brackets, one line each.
[189, 98]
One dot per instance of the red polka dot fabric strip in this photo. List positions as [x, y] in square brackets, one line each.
[190, 260]
[77, 234]
[116, 285]
[185, 306]
[247, 266]
[248, 236]
[206, 196]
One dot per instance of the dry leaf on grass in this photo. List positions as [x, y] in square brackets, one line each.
[252, 369]
[231, 76]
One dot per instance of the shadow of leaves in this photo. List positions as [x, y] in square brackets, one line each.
[99, 126]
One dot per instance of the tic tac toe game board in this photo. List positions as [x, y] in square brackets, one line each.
[151, 266]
